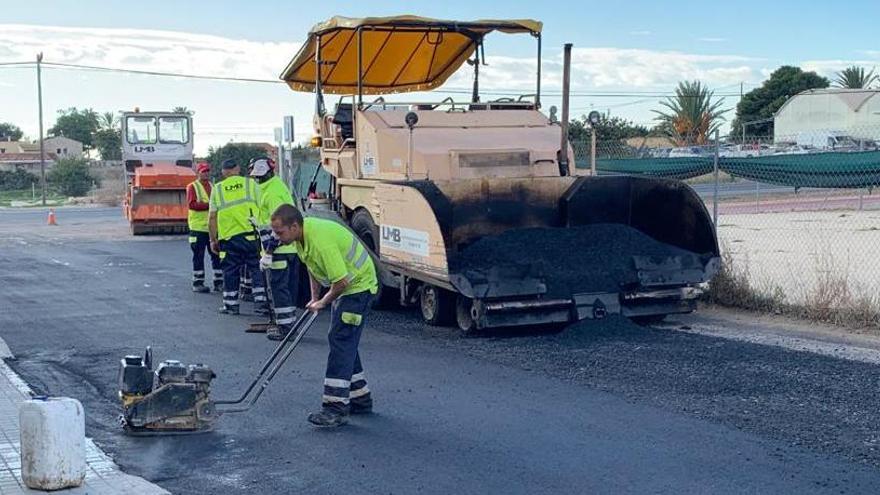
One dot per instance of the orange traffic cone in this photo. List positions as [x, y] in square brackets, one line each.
[51, 220]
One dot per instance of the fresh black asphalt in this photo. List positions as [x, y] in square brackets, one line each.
[594, 409]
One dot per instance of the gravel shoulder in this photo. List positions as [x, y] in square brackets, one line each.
[790, 333]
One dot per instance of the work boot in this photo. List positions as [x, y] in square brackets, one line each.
[200, 288]
[328, 418]
[218, 286]
[261, 308]
[229, 310]
[246, 297]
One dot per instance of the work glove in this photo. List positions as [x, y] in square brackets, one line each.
[266, 262]
[272, 243]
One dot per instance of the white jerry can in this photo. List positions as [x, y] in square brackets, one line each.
[53, 443]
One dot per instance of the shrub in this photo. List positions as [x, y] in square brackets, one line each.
[72, 177]
[17, 179]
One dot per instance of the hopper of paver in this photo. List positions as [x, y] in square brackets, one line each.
[551, 250]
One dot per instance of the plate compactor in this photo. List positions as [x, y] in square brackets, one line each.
[175, 399]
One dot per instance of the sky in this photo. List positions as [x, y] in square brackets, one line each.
[630, 48]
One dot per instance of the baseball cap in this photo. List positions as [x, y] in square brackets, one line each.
[261, 167]
[203, 167]
[229, 163]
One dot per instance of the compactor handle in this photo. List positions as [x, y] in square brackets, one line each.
[293, 337]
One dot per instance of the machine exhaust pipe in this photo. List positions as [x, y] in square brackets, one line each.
[564, 169]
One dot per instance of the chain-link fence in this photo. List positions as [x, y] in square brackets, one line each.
[796, 218]
[797, 222]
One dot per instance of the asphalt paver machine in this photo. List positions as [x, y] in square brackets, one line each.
[422, 181]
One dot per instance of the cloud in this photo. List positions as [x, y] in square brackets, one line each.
[832, 67]
[607, 67]
[615, 68]
[143, 49]
[712, 40]
[596, 68]
[192, 53]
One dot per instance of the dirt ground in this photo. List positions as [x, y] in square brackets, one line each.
[804, 252]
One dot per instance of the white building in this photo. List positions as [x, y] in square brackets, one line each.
[853, 112]
[63, 147]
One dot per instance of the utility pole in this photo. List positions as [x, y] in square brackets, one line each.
[42, 145]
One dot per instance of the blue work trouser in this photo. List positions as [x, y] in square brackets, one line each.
[237, 252]
[247, 287]
[344, 384]
[284, 278]
[199, 242]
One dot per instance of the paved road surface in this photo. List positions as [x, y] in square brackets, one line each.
[611, 409]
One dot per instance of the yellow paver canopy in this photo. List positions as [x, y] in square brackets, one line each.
[399, 54]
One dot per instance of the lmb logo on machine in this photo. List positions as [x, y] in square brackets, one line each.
[390, 234]
[404, 239]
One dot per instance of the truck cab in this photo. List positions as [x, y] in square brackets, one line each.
[154, 138]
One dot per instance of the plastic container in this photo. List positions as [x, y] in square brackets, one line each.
[53, 443]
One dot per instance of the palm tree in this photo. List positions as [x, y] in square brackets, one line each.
[692, 114]
[108, 120]
[854, 77]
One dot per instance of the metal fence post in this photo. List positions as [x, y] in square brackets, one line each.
[757, 196]
[593, 151]
[715, 195]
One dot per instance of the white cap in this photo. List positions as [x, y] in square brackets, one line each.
[261, 167]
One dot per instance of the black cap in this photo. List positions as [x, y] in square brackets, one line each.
[229, 163]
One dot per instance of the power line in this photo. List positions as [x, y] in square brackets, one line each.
[160, 73]
[450, 90]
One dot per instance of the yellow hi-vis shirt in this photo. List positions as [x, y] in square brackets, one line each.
[235, 199]
[198, 220]
[331, 253]
[274, 193]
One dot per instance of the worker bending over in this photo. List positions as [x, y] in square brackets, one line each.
[336, 259]
[279, 260]
[198, 193]
[234, 201]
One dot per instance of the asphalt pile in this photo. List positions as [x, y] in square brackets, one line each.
[592, 258]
